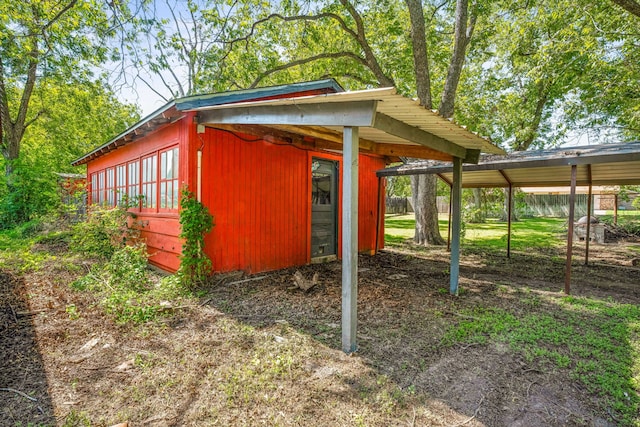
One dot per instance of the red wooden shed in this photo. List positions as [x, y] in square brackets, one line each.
[289, 172]
[274, 200]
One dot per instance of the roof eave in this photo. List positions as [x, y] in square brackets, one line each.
[152, 121]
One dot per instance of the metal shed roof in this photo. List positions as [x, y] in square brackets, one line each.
[174, 110]
[607, 164]
[395, 121]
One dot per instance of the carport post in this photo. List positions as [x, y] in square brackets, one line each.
[509, 214]
[588, 238]
[349, 239]
[449, 222]
[456, 208]
[572, 203]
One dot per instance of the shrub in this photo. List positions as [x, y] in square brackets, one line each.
[196, 221]
[126, 289]
[104, 232]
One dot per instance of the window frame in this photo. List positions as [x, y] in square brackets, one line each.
[172, 183]
[120, 185]
[133, 183]
[110, 184]
[149, 181]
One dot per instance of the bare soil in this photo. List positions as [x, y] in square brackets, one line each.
[260, 352]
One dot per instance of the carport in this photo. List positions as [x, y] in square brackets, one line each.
[607, 164]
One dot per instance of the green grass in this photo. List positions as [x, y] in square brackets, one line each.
[598, 341]
[15, 248]
[525, 234]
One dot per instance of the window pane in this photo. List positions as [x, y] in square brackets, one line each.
[149, 176]
[168, 179]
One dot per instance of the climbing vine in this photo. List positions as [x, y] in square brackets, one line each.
[196, 222]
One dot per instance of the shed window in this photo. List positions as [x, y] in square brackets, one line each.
[110, 187]
[149, 181]
[121, 183]
[94, 188]
[97, 188]
[133, 183]
[169, 179]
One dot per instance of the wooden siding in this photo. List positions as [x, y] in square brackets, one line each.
[259, 194]
[160, 230]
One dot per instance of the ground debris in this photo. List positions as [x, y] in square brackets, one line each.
[304, 284]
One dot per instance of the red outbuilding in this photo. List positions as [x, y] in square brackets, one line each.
[274, 199]
[288, 172]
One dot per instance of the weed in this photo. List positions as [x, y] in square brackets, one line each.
[195, 221]
[72, 311]
[104, 232]
[76, 419]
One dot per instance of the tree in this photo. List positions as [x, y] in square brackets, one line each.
[177, 48]
[425, 186]
[343, 39]
[42, 40]
[77, 119]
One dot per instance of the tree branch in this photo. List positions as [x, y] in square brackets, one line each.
[59, 14]
[420, 53]
[630, 6]
[463, 33]
[317, 17]
[361, 38]
[306, 61]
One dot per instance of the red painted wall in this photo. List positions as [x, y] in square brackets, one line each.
[159, 229]
[259, 194]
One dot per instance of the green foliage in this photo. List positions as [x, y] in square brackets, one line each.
[35, 194]
[597, 341]
[105, 231]
[398, 186]
[126, 289]
[74, 119]
[196, 221]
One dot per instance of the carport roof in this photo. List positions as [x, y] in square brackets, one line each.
[607, 164]
[389, 124]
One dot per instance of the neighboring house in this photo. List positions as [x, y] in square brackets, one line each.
[72, 189]
[275, 200]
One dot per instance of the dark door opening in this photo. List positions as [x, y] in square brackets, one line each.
[324, 208]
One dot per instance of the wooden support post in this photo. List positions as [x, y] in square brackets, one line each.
[615, 209]
[572, 202]
[349, 239]
[449, 222]
[509, 214]
[588, 237]
[456, 205]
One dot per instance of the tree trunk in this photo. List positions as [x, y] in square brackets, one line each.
[420, 57]
[478, 215]
[463, 31]
[424, 197]
[505, 208]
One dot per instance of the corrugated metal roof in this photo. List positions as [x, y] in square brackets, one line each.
[199, 101]
[172, 111]
[607, 164]
[391, 104]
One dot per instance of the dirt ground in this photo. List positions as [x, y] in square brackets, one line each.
[258, 352]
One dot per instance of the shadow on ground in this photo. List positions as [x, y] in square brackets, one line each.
[404, 310]
[24, 398]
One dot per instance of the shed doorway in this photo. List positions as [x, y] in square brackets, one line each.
[324, 209]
